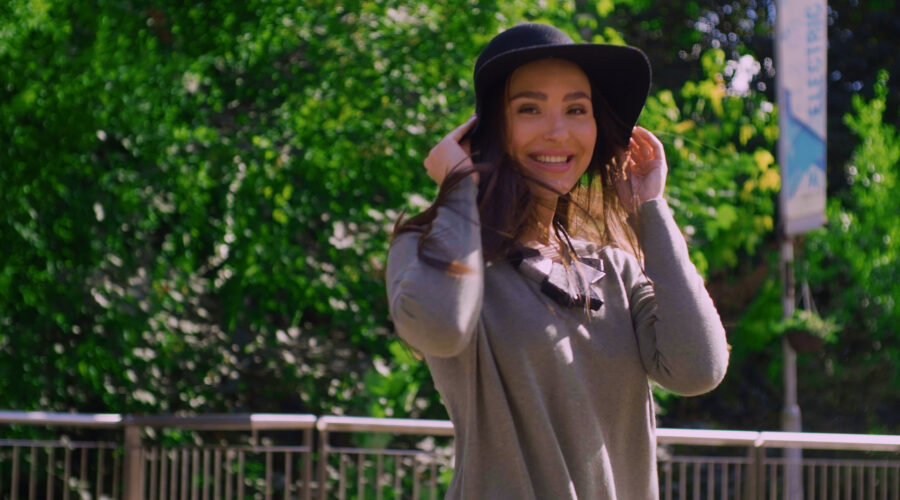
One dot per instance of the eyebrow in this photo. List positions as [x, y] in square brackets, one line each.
[571, 96]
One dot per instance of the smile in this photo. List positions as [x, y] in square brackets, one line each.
[555, 163]
[551, 159]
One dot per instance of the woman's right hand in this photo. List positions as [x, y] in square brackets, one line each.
[451, 153]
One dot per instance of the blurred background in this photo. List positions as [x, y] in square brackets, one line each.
[196, 198]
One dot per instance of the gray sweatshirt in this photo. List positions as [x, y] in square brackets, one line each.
[550, 402]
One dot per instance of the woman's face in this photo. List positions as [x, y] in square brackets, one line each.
[550, 127]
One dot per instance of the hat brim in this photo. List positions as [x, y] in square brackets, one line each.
[620, 73]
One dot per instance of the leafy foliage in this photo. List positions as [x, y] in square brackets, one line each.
[852, 266]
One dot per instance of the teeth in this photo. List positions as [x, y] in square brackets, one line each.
[551, 159]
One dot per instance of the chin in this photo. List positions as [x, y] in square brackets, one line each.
[544, 193]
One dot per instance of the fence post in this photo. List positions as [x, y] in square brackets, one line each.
[751, 486]
[307, 464]
[323, 460]
[134, 463]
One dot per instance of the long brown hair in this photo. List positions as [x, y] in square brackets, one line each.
[591, 210]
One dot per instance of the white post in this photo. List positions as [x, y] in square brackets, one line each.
[134, 463]
[790, 413]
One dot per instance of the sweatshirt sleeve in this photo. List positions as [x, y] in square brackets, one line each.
[436, 312]
[679, 332]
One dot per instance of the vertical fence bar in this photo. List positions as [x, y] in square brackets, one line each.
[163, 473]
[667, 471]
[287, 475]
[433, 482]
[823, 487]
[195, 465]
[32, 474]
[415, 477]
[810, 480]
[185, 473]
[897, 483]
[398, 482]
[307, 464]
[83, 474]
[206, 474]
[100, 473]
[379, 470]
[14, 486]
[836, 483]
[696, 486]
[217, 474]
[173, 474]
[342, 486]
[268, 475]
[869, 472]
[240, 486]
[323, 463]
[67, 470]
[228, 473]
[360, 478]
[50, 459]
[117, 465]
[860, 472]
[848, 483]
[725, 481]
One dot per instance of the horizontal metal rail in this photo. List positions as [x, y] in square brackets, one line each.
[385, 425]
[330, 423]
[99, 420]
[699, 437]
[217, 422]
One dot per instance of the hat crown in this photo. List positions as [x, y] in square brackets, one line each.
[520, 37]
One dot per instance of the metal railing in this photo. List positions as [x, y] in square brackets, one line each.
[257, 456]
[217, 464]
[693, 464]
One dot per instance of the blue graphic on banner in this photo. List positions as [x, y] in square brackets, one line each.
[805, 152]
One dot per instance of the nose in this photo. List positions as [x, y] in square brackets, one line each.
[557, 129]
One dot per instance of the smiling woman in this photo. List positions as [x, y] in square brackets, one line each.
[523, 286]
[550, 126]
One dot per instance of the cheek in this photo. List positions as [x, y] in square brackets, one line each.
[588, 135]
[517, 137]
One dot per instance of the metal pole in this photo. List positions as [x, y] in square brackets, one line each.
[790, 413]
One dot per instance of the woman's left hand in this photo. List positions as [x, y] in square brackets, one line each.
[642, 170]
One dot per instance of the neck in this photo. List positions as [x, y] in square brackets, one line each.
[542, 230]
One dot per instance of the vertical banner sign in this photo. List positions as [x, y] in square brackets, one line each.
[801, 63]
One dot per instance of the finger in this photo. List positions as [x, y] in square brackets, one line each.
[461, 130]
[465, 145]
[645, 147]
[653, 142]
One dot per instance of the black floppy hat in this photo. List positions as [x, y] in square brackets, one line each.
[620, 73]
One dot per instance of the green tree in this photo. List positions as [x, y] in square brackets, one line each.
[197, 198]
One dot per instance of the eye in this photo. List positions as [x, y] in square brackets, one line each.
[527, 109]
[578, 110]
